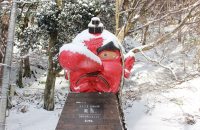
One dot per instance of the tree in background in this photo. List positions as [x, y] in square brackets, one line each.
[149, 19]
[140, 14]
[61, 25]
[25, 31]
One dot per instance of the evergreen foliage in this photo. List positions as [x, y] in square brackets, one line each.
[65, 22]
[69, 21]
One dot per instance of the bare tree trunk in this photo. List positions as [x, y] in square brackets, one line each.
[3, 41]
[27, 69]
[143, 20]
[49, 91]
[145, 35]
[4, 34]
[179, 21]
[198, 61]
[19, 81]
[51, 76]
[117, 16]
[179, 33]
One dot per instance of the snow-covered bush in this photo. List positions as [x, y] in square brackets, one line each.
[75, 17]
[70, 20]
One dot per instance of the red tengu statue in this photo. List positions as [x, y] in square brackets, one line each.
[94, 60]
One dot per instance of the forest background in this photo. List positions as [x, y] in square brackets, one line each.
[163, 35]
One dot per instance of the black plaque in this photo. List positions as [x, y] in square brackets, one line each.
[90, 111]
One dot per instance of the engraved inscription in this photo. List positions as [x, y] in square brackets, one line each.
[89, 112]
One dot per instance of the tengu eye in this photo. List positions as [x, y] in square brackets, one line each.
[108, 55]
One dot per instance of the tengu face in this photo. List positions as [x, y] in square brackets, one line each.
[94, 62]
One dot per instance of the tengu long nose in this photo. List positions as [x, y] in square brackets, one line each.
[76, 57]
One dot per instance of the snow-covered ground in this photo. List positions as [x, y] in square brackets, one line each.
[28, 112]
[173, 109]
[152, 99]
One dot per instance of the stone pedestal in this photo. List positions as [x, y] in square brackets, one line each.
[90, 111]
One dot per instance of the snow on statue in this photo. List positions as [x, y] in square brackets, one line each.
[94, 60]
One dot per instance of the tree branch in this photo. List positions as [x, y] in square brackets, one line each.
[164, 16]
[159, 63]
[168, 35]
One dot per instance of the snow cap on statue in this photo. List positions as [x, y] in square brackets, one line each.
[96, 31]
